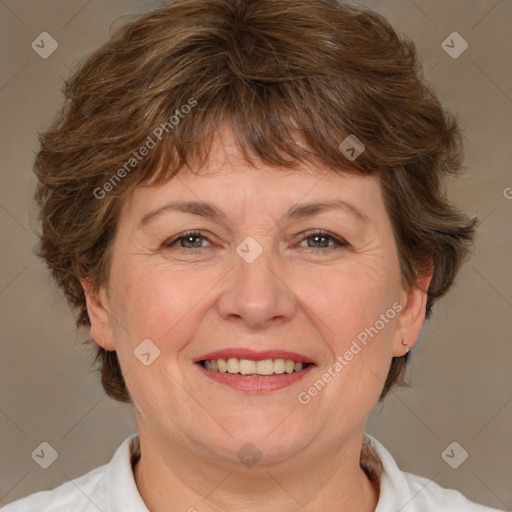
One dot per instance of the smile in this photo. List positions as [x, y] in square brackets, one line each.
[253, 368]
[254, 382]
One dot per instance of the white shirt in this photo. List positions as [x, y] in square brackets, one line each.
[112, 488]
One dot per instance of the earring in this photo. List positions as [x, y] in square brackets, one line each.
[404, 343]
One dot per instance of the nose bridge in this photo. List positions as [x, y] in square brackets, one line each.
[257, 293]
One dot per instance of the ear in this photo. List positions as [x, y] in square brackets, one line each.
[412, 316]
[99, 315]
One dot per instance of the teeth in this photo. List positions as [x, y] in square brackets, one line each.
[247, 367]
[222, 365]
[233, 365]
[250, 367]
[278, 365]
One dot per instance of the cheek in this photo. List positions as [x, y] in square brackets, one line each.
[365, 324]
[162, 303]
[158, 305]
[348, 300]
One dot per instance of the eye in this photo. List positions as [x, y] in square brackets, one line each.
[321, 238]
[190, 240]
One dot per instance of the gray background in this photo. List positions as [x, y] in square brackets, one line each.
[462, 384]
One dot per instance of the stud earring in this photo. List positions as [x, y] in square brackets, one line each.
[404, 343]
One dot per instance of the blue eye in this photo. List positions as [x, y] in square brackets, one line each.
[187, 237]
[195, 237]
[317, 236]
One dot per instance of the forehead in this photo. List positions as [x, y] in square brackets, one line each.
[229, 183]
[235, 187]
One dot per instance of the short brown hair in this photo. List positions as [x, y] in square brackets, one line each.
[276, 71]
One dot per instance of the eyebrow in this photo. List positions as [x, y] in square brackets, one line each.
[296, 212]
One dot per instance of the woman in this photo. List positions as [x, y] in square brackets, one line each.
[244, 202]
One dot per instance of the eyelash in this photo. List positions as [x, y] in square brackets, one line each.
[338, 243]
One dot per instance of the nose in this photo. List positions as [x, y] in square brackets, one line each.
[257, 294]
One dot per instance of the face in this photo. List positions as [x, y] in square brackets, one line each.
[265, 278]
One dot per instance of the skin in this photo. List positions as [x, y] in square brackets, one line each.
[297, 295]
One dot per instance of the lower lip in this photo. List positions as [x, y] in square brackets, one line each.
[256, 384]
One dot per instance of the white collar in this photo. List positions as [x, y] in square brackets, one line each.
[123, 495]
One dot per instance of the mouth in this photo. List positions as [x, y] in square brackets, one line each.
[253, 368]
[252, 372]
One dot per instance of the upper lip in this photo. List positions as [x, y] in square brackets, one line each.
[256, 355]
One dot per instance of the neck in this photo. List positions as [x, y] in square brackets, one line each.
[184, 480]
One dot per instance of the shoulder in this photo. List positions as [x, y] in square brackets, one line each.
[411, 493]
[106, 488]
[430, 496]
[83, 494]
